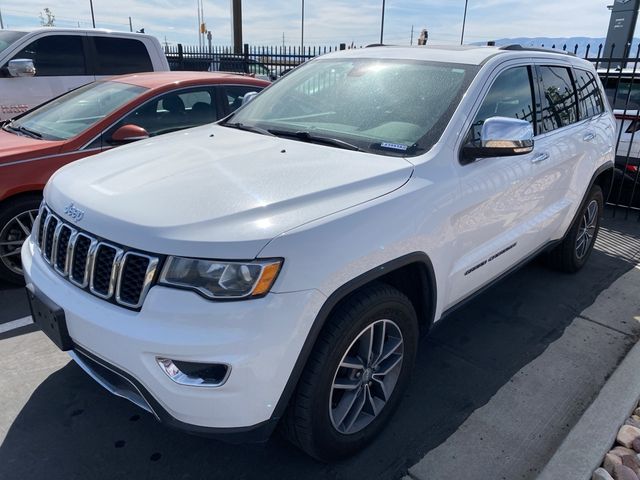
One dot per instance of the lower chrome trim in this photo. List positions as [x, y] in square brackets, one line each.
[138, 399]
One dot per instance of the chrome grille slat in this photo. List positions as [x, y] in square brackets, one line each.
[105, 270]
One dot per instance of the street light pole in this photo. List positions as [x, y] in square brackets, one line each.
[382, 24]
[464, 21]
[93, 18]
[302, 34]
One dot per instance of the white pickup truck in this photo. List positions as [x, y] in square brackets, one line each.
[41, 64]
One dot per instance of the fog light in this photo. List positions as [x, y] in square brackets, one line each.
[195, 374]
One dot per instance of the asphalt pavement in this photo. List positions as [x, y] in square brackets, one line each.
[57, 423]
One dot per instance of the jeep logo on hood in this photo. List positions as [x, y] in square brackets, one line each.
[74, 213]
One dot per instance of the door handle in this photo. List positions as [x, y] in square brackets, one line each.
[589, 136]
[540, 158]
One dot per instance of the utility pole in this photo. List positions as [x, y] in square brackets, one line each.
[93, 18]
[382, 24]
[1, 22]
[464, 20]
[411, 36]
[236, 21]
[302, 34]
[130, 25]
[282, 39]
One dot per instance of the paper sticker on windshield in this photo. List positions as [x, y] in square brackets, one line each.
[395, 146]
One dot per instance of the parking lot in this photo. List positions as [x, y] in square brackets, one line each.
[57, 423]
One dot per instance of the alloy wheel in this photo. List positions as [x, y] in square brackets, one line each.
[12, 236]
[587, 229]
[366, 377]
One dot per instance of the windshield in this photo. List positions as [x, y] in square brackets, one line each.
[7, 38]
[390, 107]
[70, 114]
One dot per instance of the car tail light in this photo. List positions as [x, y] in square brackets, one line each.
[632, 168]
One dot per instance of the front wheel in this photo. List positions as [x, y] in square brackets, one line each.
[356, 375]
[574, 251]
[17, 217]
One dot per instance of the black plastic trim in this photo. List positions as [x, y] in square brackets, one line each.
[337, 296]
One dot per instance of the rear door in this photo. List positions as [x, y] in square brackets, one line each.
[61, 65]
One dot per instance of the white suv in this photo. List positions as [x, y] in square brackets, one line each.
[277, 268]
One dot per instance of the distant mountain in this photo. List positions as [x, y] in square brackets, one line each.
[560, 43]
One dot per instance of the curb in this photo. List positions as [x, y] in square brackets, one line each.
[583, 449]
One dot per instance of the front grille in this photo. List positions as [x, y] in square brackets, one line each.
[109, 271]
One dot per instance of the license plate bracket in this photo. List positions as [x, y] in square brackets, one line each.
[50, 318]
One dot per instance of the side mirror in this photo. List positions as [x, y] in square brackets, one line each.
[129, 133]
[248, 97]
[21, 67]
[500, 137]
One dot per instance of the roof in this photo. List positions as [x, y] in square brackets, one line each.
[102, 31]
[465, 54]
[161, 79]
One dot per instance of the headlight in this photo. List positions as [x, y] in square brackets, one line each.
[221, 280]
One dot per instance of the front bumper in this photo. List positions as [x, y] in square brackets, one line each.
[260, 339]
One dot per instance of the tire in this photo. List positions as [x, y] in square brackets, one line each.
[16, 221]
[575, 249]
[313, 419]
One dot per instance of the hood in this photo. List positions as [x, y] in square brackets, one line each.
[17, 147]
[216, 192]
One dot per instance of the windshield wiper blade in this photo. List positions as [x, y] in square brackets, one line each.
[313, 138]
[248, 128]
[21, 129]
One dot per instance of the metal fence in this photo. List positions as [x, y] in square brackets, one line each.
[279, 59]
[620, 76]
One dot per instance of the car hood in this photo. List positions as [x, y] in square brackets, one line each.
[217, 192]
[17, 147]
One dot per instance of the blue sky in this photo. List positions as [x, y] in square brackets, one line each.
[328, 22]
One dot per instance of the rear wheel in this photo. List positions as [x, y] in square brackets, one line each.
[574, 251]
[356, 374]
[17, 218]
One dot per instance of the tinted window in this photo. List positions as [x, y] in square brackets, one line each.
[619, 90]
[235, 94]
[509, 96]
[173, 111]
[56, 55]
[118, 56]
[559, 107]
[589, 98]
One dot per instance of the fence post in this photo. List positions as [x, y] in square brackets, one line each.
[180, 56]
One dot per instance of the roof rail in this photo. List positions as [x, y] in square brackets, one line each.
[518, 47]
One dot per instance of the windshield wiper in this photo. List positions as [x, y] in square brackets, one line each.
[23, 130]
[313, 138]
[248, 128]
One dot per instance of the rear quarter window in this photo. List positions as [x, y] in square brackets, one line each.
[623, 93]
[119, 56]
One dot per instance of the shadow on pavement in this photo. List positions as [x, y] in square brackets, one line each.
[71, 428]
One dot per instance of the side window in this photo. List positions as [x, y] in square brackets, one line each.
[558, 95]
[56, 55]
[589, 98]
[172, 112]
[509, 96]
[119, 56]
[234, 94]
